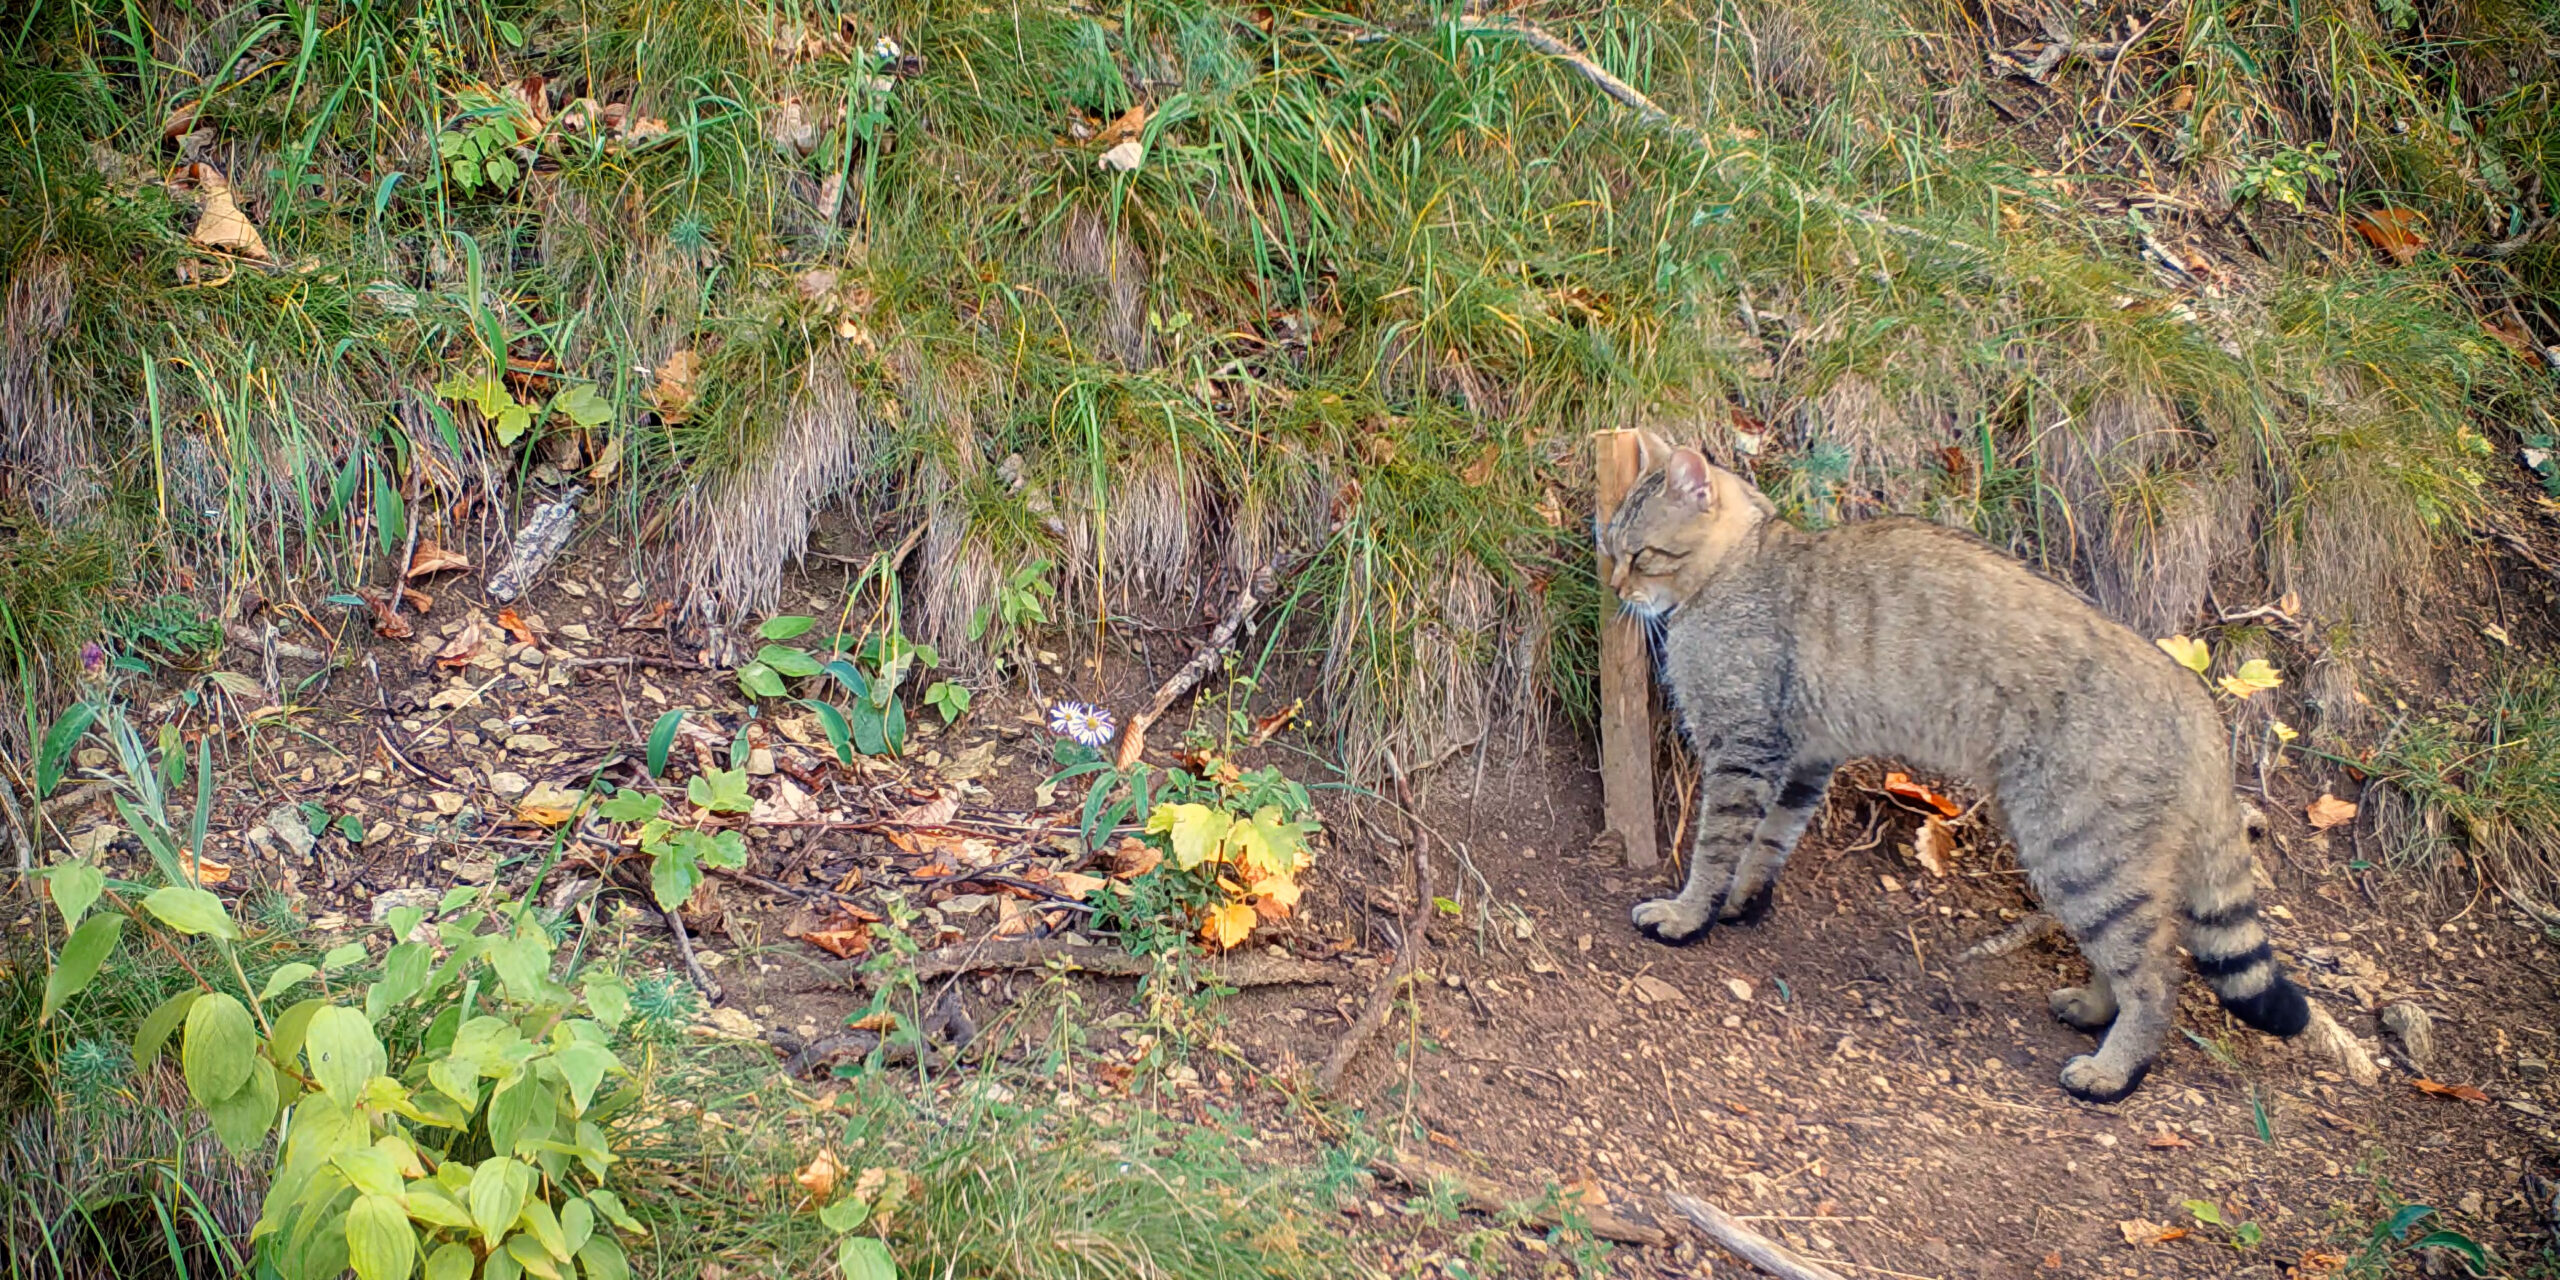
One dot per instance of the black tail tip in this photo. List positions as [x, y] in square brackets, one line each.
[2280, 1010]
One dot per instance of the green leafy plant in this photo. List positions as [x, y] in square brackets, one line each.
[509, 418]
[448, 1110]
[2239, 1235]
[1021, 602]
[678, 853]
[948, 697]
[874, 722]
[2389, 1240]
[2285, 175]
[2538, 456]
[477, 148]
[1230, 845]
[170, 629]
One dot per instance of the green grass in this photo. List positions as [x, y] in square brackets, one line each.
[2484, 778]
[1368, 295]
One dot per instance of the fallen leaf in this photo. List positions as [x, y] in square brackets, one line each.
[2165, 1140]
[2254, 676]
[1012, 921]
[846, 943]
[1133, 857]
[1901, 785]
[1935, 846]
[932, 813]
[418, 600]
[2190, 653]
[2329, 811]
[431, 558]
[672, 394]
[2463, 1091]
[2141, 1232]
[1124, 158]
[515, 626]
[791, 130]
[1126, 128]
[1480, 471]
[2401, 233]
[608, 462]
[1652, 990]
[465, 645]
[222, 226]
[2315, 1262]
[2513, 337]
[206, 870]
[1077, 886]
[818, 1177]
[388, 625]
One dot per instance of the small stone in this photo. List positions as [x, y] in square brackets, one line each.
[507, 783]
[732, 1022]
[2470, 1204]
[530, 742]
[2416, 1031]
[1891, 885]
[965, 904]
[760, 761]
[292, 829]
[1732, 1020]
[447, 803]
[96, 757]
[1740, 987]
[390, 900]
[1653, 990]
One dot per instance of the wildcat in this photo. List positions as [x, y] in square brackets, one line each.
[1787, 652]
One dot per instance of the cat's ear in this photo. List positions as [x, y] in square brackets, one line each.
[1653, 452]
[1684, 473]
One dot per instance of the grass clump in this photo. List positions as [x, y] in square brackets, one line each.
[2483, 777]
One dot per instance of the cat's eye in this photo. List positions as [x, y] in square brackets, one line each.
[1657, 560]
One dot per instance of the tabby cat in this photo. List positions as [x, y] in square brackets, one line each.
[1787, 652]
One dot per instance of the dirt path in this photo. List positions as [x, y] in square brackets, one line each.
[1833, 1072]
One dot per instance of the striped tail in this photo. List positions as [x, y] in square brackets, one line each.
[2230, 945]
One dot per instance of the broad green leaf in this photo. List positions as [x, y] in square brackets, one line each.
[720, 790]
[511, 423]
[87, 948]
[2408, 1215]
[673, 877]
[839, 734]
[2473, 1256]
[608, 999]
[220, 1048]
[351, 827]
[584, 1064]
[449, 1261]
[340, 957]
[865, 1258]
[521, 962]
[75, 887]
[430, 1203]
[501, 1266]
[577, 1223]
[893, 727]
[156, 1026]
[628, 805]
[786, 626]
[344, 1053]
[55, 751]
[241, 1121]
[190, 911]
[610, 1205]
[792, 663]
[285, 1033]
[846, 1214]
[457, 1079]
[284, 978]
[381, 1245]
[521, 1113]
[537, 1220]
[870, 732]
[498, 1190]
[2187, 652]
[601, 1258]
[724, 849]
[762, 680]
[529, 1254]
[1197, 832]
[1266, 845]
[662, 738]
[583, 406]
[372, 1170]
[850, 676]
[2205, 1211]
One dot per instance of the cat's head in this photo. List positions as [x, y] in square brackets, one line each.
[1681, 520]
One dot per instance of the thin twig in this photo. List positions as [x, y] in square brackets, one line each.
[1745, 1243]
[1133, 739]
[692, 966]
[1257, 969]
[1487, 1198]
[1382, 997]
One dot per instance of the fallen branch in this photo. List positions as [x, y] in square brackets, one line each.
[242, 635]
[1133, 739]
[2029, 929]
[536, 545]
[1487, 1197]
[1409, 950]
[692, 967]
[1258, 969]
[1744, 1243]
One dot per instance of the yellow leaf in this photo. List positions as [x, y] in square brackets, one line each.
[2329, 811]
[2284, 732]
[1280, 889]
[223, 225]
[1198, 832]
[2254, 676]
[1228, 924]
[2189, 653]
[1267, 846]
[818, 1177]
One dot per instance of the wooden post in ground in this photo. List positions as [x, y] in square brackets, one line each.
[1626, 685]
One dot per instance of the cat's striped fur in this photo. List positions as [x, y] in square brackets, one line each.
[1788, 652]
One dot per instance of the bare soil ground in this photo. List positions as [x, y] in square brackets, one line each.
[1834, 1074]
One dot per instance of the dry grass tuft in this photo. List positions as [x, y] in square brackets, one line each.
[741, 529]
[47, 450]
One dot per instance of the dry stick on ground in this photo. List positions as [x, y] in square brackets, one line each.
[1745, 1243]
[1133, 739]
[1261, 969]
[684, 948]
[1487, 1198]
[1382, 997]
[2030, 928]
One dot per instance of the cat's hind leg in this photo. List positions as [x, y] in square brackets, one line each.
[1744, 769]
[2133, 975]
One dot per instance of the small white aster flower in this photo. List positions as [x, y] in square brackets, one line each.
[1089, 725]
[885, 49]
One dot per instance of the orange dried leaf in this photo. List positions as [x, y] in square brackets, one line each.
[515, 626]
[206, 870]
[883, 1021]
[2401, 233]
[2463, 1091]
[386, 624]
[846, 943]
[1126, 128]
[1900, 784]
[2165, 1140]
[1229, 924]
[2329, 811]
[1133, 857]
[543, 815]
[435, 559]
[932, 813]
[1935, 846]
[818, 1177]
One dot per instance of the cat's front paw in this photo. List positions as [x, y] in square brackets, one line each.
[1673, 922]
[2090, 1080]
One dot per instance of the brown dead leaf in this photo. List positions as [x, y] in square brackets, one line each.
[463, 647]
[544, 815]
[386, 624]
[515, 626]
[2463, 1091]
[431, 558]
[1133, 857]
[2514, 337]
[2164, 1140]
[1935, 846]
[1900, 784]
[818, 1177]
[932, 813]
[2315, 1262]
[223, 226]
[672, 394]
[1012, 921]
[1480, 471]
[2142, 1232]
[880, 1023]
[2400, 233]
[791, 130]
[1076, 886]
[2329, 811]
[1126, 128]
[206, 870]
[845, 943]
